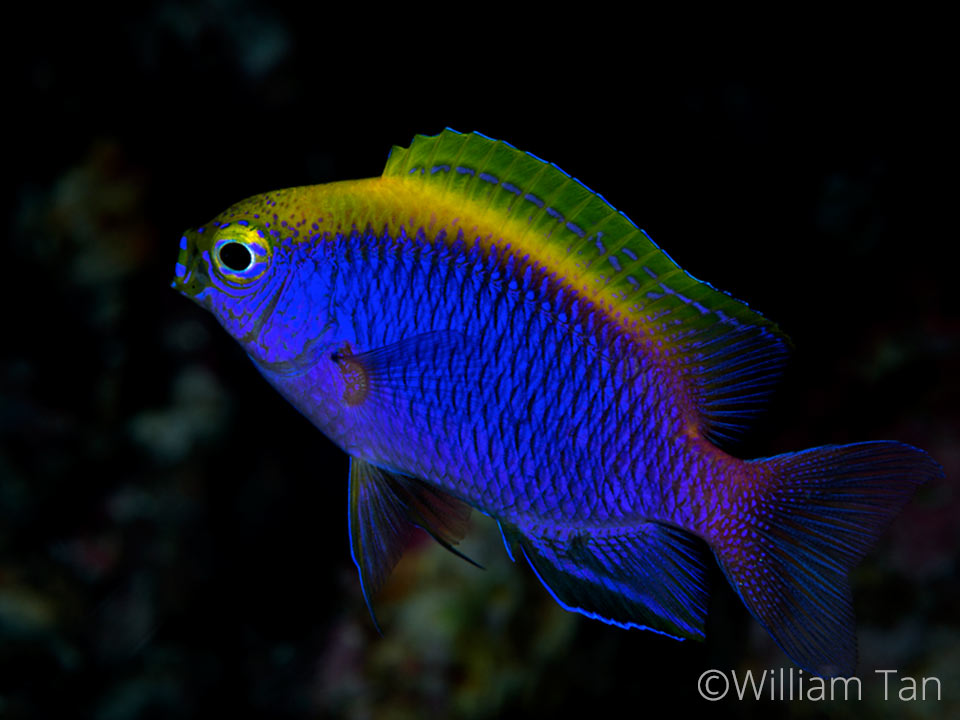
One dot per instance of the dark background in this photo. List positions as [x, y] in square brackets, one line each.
[173, 535]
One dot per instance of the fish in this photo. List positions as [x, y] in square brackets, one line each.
[478, 330]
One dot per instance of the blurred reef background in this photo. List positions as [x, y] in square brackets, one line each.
[173, 539]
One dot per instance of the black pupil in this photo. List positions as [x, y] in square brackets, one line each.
[235, 256]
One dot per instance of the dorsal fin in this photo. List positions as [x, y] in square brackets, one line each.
[729, 355]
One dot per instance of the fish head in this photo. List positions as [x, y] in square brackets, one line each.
[225, 268]
[259, 284]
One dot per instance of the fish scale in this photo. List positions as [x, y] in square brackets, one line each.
[415, 275]
[478, 329]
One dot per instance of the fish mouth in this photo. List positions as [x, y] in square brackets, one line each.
[190, 275]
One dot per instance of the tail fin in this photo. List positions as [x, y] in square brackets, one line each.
[818, 512]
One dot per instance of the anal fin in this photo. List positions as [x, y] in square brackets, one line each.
[650, 577]
[384, 508]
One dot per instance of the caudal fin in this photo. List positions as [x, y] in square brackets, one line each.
[789, 551]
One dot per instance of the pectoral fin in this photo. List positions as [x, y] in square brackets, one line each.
[414, 369]
[383, 510]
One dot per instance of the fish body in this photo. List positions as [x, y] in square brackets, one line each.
[477, 329]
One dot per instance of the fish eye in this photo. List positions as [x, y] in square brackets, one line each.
[235, 256]
[241, 255]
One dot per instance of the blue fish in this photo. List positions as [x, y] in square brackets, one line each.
[479, 330]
